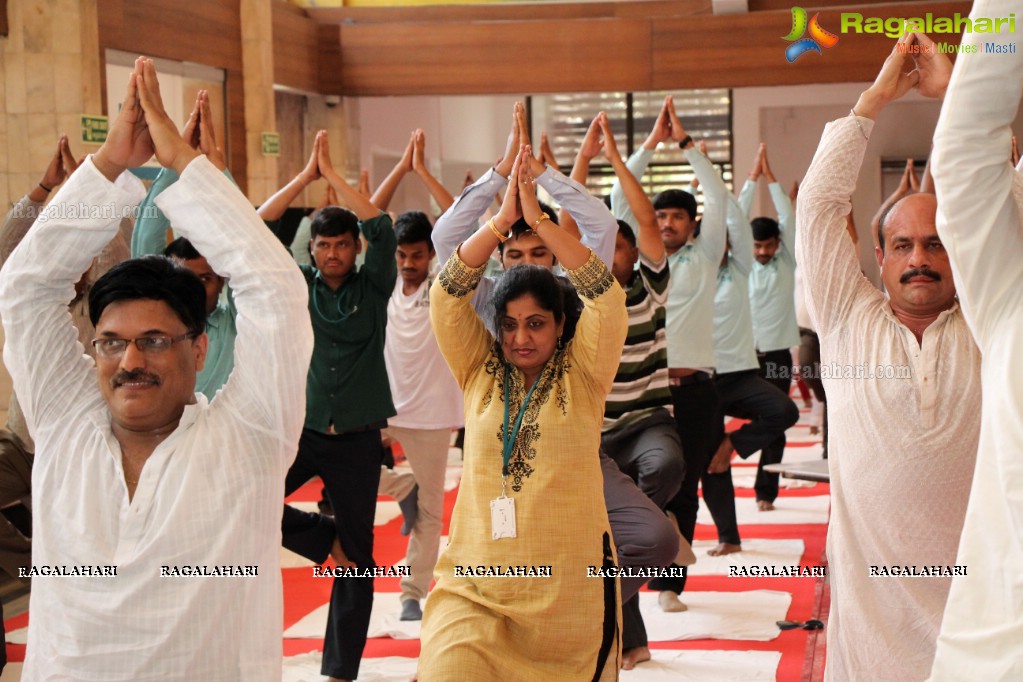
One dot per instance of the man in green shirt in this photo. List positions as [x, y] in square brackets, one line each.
[348, 401]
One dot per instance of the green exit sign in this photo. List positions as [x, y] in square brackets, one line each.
[271, 144]
[94, 129]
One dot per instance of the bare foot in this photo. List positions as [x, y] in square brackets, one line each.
[765, 505]
[670, 603]
[630, 657]
[339, 556]
[724, 548]
[722, 459]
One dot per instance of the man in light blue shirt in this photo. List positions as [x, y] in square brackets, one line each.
[742, 393]
[773, 278]
[694, 264]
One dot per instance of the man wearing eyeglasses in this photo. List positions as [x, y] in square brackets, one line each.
[131, 464]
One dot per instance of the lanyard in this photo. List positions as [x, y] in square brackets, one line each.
[509, 437]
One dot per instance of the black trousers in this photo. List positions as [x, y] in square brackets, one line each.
[696, 407]
[349, 465]
[746, 396]
[650, 454]
[776, 368]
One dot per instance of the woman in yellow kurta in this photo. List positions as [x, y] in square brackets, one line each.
[563, 627]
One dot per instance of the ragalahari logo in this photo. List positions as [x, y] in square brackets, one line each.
[819, 37]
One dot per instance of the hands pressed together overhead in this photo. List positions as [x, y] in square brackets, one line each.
[61, 166]
[667, 126]
[930, 74]
[142, 127]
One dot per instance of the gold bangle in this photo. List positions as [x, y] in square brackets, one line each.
[497, 233]
[536, 223]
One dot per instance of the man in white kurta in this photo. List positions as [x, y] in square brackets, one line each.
[981, 201]
[208, 496]
[903, 384]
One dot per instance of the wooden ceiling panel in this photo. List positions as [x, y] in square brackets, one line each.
[493, 57]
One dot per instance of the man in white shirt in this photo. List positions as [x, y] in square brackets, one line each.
[980, 203]
[903, 387]
[131, 464]
[426, 397]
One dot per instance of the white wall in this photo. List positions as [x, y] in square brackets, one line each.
[462, 133]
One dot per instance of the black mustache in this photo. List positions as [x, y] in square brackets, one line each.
[135, 375]
[919, 272]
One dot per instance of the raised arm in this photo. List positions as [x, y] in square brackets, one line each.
[831, 270]
[274, 342]
[151, 225]
[462, 219]
[596, 224]
[439, 193]
[379, 266]
[569, 251]
[648, 236]
[716, 196]
[904, 187]
[638, 162]
[749, 188]
[21, 216]
[273, 208]
[589, 148]
[599, 335]
[461, 335]
[783, 207]
[362, 207]
[978, 189]
[385, 192]
[47, 363]
[546, 153]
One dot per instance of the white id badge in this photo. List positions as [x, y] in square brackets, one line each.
[502, 517]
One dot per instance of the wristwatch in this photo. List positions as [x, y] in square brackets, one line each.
[684, 141]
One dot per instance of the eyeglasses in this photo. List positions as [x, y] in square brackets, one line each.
[150, 345]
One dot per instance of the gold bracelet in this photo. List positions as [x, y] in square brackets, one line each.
[497, 233]
[536, 223]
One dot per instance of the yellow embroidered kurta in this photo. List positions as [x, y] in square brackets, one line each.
[520, 628]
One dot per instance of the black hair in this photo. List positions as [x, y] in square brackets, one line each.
[521, 227]
[625, 230]
[412, 227]
[676, 198]
[156, 278]
[764, 228]
[334, 221]
[880, 225]
[181, 249]
[552, 293]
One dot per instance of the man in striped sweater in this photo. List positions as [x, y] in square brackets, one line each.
[639, 431]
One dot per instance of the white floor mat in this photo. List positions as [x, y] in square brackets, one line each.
[749, 616]
[701, 666]
[800, 433]
[796, 510]
[383, 622]
[755, 552]
[306, 668]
